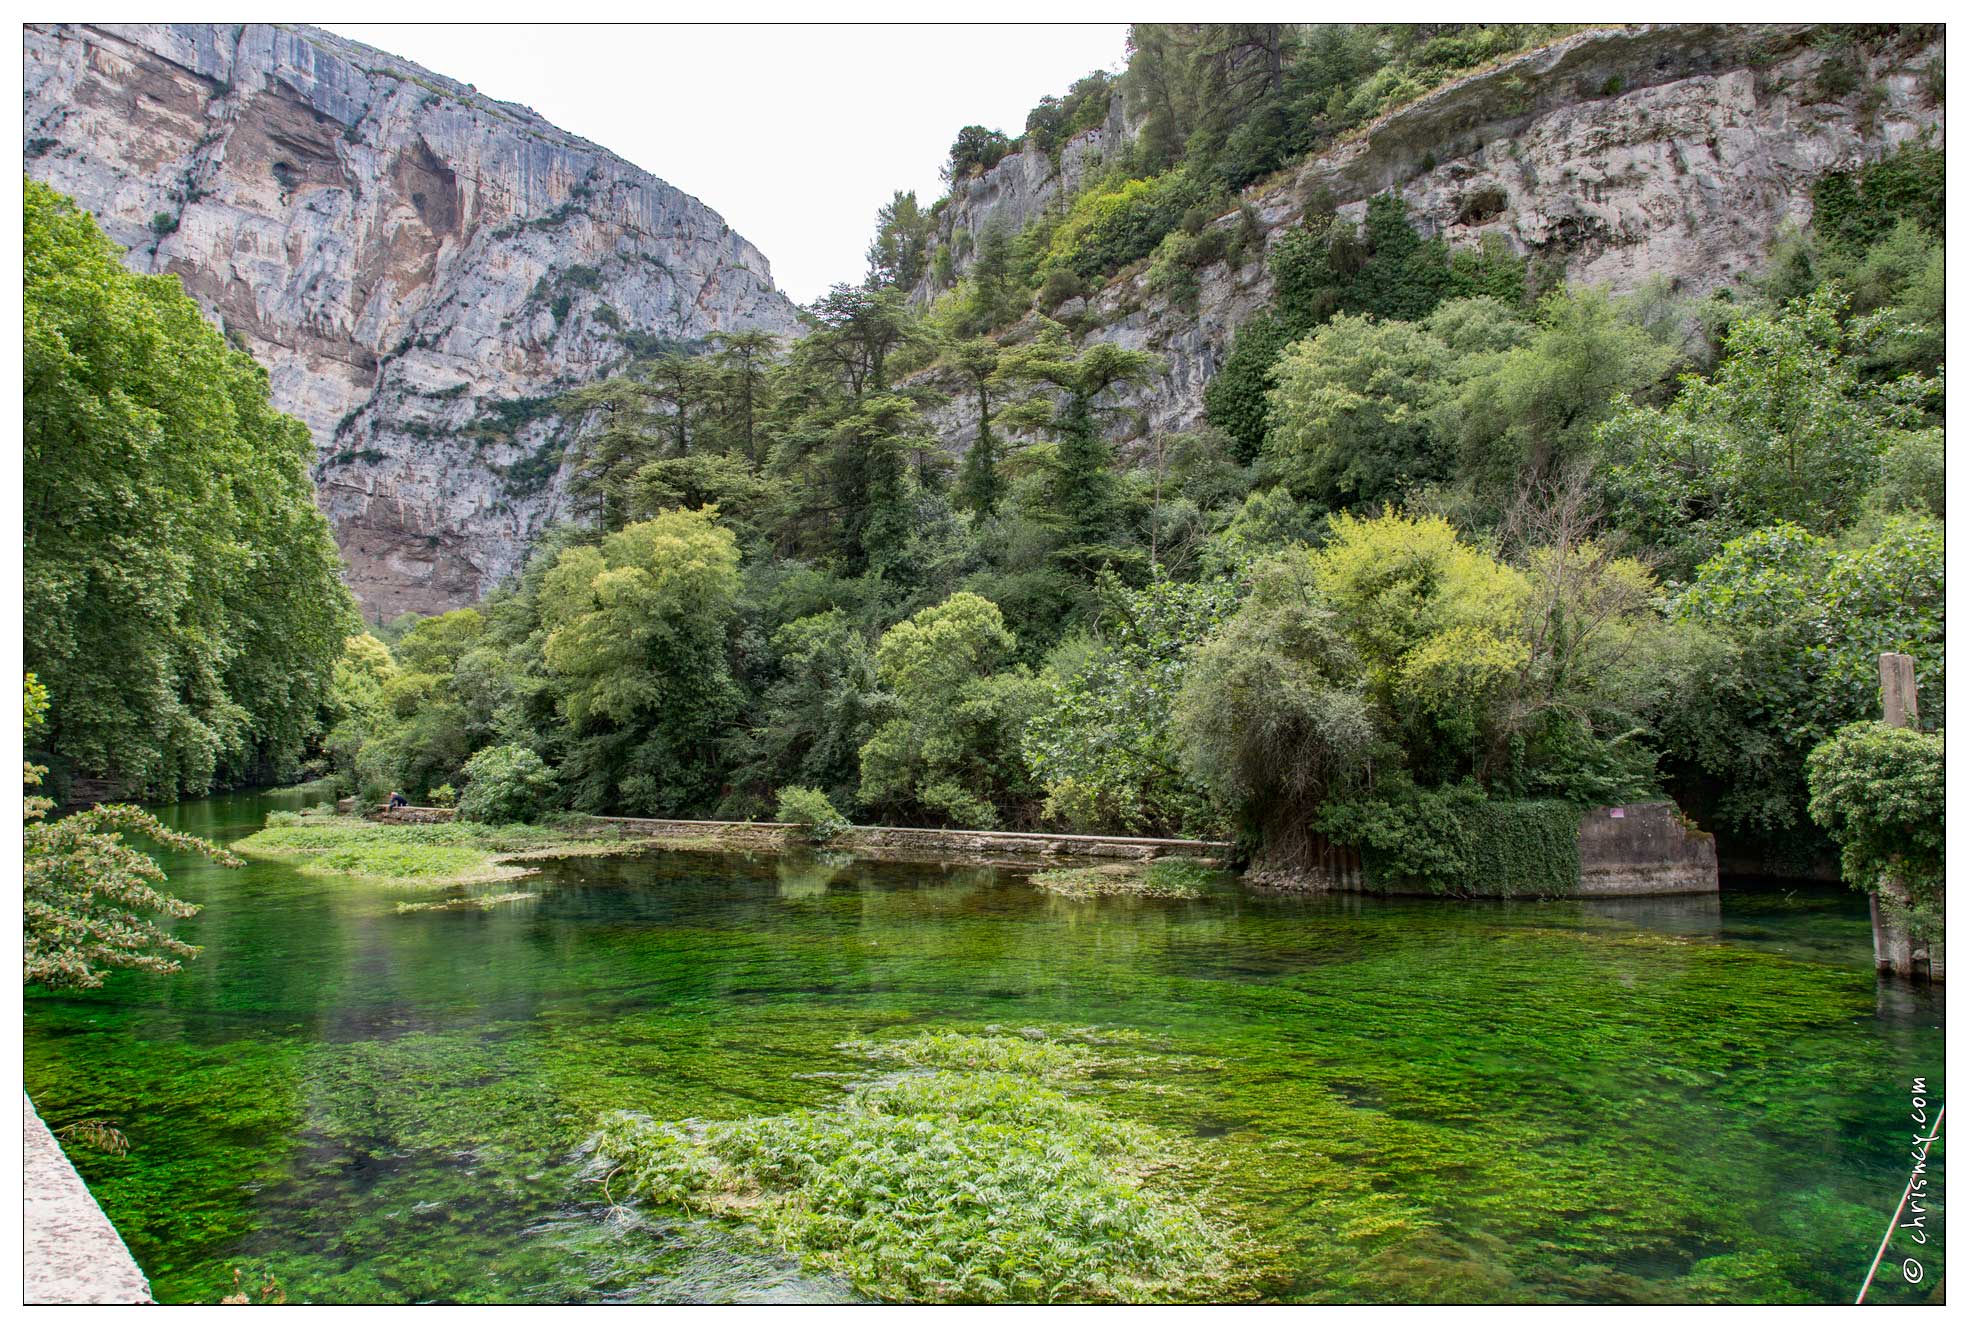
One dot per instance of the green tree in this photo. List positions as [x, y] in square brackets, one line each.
[1798, 623]
[744, 358]
[619, 427]
[1601, 665]
[427, 728]
[504, 784]
[869, 474]
[1081, 499]
[978, 483]
[812, 720]
[859, 328]
[1878, 791]
[1271, 718]
[1530, 412]
[1784, 432]
[1350, 415]
[357, 706]
[949, 747]
[997, 296]
[975, 151]
[897, 255]
[180, 587]
[637, 643]
[1437, 627]
[1104, 742]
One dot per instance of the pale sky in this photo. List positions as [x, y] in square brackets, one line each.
[795, 134]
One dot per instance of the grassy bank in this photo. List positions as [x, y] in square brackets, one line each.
[457, 853]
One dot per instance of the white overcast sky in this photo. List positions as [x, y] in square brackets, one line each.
[794, 134]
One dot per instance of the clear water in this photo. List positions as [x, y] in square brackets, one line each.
[1664, 1100]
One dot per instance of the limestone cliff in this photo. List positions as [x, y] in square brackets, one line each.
[1621, 154]
[1015, 192]
[420, 268]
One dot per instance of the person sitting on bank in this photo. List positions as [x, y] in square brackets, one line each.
[397, 800]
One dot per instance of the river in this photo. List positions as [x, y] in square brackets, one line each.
[1665, 1100]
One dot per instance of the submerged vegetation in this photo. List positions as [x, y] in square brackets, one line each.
[1395, 1100]
[1158, 879]
[969, 1176]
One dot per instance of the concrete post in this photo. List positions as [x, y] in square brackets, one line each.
[1899, 704]
[1894, 951]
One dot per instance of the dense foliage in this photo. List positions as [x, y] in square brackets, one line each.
[1790, 629]
[809, 810]
[505, 784]
[1879, 792]
[1460, 549]
[183, 601]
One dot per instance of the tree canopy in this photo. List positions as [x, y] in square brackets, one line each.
[183, 601]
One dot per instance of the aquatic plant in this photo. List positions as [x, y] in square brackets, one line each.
[963, 1179]
[1030, 1054]
[468, 902]
[97, 1134]
[1162, 878]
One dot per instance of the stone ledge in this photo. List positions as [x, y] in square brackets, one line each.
[72, 1254]
[904, 842]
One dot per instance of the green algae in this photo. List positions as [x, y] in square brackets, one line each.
[1159, 879]
[968, 1179]
[1391, 1100]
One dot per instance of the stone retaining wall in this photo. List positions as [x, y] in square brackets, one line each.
[1632, 850]
[71, 1253]
[913, 843]
[1637, 849]
[411, 816]
[1644, 849]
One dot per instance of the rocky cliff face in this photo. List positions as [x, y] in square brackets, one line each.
[420, 268]
[1667, 150]
[1015, 192]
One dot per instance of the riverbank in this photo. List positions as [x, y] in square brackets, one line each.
[431, 847]
[1636, 850]
[430, 854]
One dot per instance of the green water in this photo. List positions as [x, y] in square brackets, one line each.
[1399, 1100]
